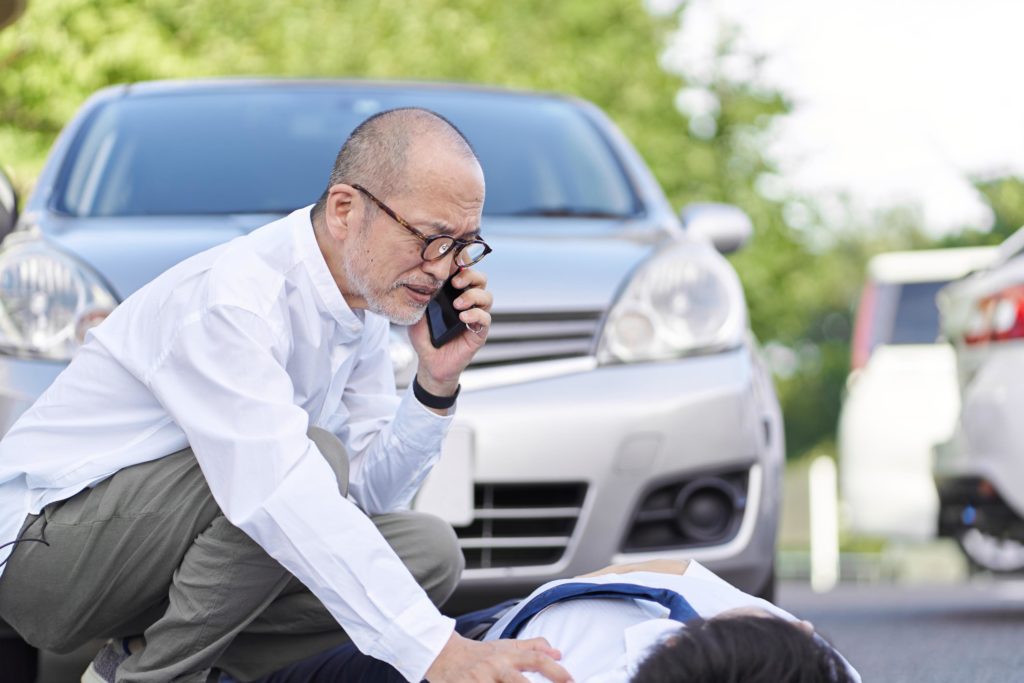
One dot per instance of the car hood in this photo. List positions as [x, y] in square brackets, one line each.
[580, 266]
[537, 264]
[129, 252]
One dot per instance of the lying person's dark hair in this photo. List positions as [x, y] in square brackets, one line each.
[743, 649]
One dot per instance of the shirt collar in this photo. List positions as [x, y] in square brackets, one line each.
[643, 637]
[349, 322]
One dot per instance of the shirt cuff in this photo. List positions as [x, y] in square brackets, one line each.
[417, 426]
[414, 640]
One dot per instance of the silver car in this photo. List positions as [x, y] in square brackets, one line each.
[978, 472]
[619, 410]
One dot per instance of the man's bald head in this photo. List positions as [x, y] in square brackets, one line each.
[380, 150]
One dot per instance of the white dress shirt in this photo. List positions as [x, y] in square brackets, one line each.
[236, 352]
[606, 640]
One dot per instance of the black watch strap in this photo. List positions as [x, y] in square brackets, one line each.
[431, 400]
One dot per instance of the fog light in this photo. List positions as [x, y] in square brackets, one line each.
[706, 508]
[689, 513]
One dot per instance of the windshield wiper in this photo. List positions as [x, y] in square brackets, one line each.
[565, 211]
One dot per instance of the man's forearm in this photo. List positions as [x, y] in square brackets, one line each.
[388, 472]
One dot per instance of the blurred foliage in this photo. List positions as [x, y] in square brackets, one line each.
[1005, 196]
[61, 51]
[800, 293]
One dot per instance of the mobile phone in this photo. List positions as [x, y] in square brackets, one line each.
[442, 318]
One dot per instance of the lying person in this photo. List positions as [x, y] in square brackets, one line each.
[623, 623]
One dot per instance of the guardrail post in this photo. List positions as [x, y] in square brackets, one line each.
[824, 524]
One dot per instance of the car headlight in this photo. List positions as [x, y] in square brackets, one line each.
[685, 299]
[403, 356]
[48, 300]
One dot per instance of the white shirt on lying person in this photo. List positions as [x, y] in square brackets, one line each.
[236, 352]
[605, 640]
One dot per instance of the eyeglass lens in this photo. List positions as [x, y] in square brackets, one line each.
[468, 255]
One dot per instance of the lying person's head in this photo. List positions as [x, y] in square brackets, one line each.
[743, 649]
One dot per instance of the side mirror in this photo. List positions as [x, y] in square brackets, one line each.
[8, 205]
[726, 226]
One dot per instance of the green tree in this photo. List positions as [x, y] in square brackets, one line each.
[1005, 196]
[61, 51]
[607, 52]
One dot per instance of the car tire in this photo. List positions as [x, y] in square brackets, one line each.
[989, 553]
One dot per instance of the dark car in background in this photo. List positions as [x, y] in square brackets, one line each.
[620, 409]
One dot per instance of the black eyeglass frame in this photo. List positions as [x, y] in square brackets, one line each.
[428, 240]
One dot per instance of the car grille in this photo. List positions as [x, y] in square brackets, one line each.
[526, 337]
[517, 525]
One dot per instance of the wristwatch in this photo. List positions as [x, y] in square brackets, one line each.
[432, 400]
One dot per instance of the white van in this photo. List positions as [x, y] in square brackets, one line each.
[902, 394]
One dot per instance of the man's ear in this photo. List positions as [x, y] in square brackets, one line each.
[342, 213]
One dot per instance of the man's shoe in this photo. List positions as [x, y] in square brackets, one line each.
[104, 665]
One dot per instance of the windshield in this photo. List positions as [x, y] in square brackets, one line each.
[270, 150]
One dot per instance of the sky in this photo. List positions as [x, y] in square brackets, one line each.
[897, 102]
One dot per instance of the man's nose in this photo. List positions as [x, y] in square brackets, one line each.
[441, 269]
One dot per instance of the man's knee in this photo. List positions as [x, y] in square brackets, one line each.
[429, 548]
[444, 559]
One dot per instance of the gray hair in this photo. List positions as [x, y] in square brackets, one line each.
[375, 154]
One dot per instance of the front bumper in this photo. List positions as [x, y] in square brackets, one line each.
[610, 436]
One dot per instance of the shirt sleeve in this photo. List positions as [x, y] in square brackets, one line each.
[392, 442]
[222, 379]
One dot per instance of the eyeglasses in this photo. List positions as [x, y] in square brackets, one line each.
[467, 252]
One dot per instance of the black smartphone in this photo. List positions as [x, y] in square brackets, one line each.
[442, 318]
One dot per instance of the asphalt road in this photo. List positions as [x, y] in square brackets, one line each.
[966, 633]
[962, 633]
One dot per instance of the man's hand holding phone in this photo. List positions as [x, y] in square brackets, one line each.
[468, 319]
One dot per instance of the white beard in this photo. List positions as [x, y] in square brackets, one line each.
[379, 301]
